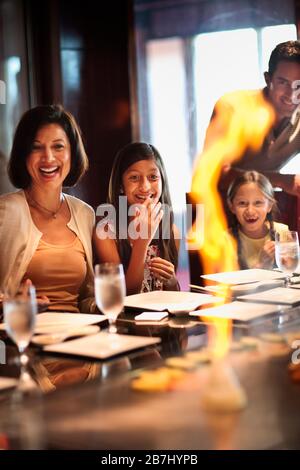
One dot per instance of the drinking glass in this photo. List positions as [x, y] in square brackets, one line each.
[110, 291]
[287, 253]
[19, 317]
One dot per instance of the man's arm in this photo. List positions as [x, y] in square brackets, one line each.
[281, 152]
[289, 183]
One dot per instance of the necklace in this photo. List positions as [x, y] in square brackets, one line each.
[39, 206]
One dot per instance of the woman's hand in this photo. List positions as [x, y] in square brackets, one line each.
[267, 254]
[42, 302]
[162, 269]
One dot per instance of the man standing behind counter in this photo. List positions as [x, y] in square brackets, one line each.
[283, 141]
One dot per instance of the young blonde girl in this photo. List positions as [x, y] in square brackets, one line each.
[250, 198]
[149, 261]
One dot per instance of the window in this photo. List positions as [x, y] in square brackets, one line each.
[189, 53]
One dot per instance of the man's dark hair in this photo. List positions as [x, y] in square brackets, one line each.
[288, 51]
[33, 120]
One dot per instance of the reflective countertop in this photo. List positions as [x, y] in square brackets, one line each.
[88, 404]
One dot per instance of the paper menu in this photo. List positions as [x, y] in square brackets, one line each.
[244, 276]
[102, 345]
[295, 286]
[58, 322]
[280, 295]
[241, 289]
[55, 322]
[236, 310]
[172, 301]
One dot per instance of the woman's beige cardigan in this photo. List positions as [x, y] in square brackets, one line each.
[19, 238]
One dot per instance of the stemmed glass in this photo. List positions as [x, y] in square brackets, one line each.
[110, 291]
[19, 317]
[287, 253]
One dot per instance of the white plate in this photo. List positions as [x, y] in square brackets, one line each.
[279, 296]
[244, 276]
[59, 322]
[102, 345]
[172, 301]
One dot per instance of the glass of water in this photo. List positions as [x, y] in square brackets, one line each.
[287, 253]
[110, 290]
[19, 318]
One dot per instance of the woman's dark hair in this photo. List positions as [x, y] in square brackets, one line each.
[127, 156]
[267, 189]
[288, 51]
[26, 131]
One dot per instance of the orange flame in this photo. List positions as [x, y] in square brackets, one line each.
[241, 123]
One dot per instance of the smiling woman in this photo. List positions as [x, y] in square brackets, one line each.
[49, 159]
[45, 234]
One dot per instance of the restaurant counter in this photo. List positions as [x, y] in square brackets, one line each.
[80, 403]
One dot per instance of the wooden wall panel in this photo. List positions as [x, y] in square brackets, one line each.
[80, 58]
[95, 85]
